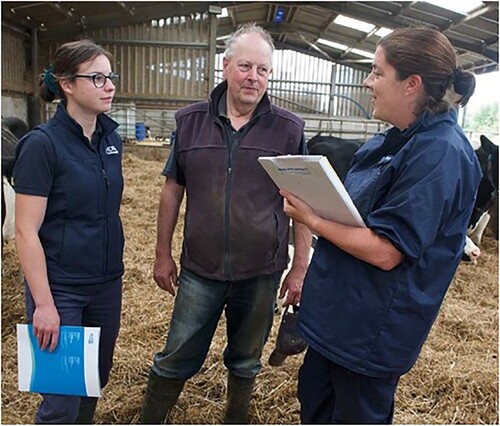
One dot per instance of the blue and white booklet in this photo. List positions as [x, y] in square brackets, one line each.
[71, 369]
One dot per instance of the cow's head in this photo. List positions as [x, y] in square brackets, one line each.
[471, 251]
[492, 161]
[487, 155]
[338, 151]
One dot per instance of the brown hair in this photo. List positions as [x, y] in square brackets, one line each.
[67, 59]
[429, 54]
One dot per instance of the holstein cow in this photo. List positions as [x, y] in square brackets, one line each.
[9, 142]
[16, 126]
[8, 196]
[8, 201]
[341, 151]
[338, 151]
[487, 194]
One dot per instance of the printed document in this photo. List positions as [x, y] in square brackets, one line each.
[71, 369]
[312, 179]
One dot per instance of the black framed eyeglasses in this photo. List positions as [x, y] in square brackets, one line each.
[99, 79]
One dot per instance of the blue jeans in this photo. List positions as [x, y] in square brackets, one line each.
[249, 309]
[329, 393]
[96, 305]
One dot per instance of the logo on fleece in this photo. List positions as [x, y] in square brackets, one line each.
[110, 150]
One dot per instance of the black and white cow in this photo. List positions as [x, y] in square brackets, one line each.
[9, 142]
[16, 126]
[340, 152]
[487, 194]
[8, 202]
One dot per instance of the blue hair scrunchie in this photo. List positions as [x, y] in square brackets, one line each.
[49, 80]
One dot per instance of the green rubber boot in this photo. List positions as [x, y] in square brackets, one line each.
[239, 393]
[161, 396]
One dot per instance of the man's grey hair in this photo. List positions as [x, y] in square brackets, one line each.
[247, 28]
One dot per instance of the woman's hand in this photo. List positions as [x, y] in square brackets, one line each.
[297, 209]
[46, 326]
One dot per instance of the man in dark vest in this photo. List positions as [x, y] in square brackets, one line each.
[235, 246]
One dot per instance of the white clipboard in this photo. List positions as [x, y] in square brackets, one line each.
[312, 179]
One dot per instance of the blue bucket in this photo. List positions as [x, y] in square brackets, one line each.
[140, 131]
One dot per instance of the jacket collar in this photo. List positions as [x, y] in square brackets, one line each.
[393, 139]
[104, 123]
[426, 120]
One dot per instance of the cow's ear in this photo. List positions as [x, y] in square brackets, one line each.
[487, 145]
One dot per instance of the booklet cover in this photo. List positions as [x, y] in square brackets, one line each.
[71, 369]
[312, 179]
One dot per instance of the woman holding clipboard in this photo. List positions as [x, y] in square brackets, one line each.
[371, 294]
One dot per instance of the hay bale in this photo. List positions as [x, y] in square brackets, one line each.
[454, 381]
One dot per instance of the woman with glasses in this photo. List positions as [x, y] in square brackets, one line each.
[69, 237]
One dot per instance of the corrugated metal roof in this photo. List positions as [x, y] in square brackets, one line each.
[302, 24]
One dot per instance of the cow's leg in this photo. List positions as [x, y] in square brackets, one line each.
[8, 197]
[493, 224]
[278, 306]
[477, 232]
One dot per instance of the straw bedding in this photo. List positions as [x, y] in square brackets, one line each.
[455, 380]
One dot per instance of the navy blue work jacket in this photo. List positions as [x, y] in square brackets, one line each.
[81, 233]
[416, 188]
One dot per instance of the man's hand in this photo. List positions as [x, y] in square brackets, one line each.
[165, 273]
[292, 287]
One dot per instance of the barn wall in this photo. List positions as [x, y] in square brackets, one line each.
[14, 66]
[164, 65]
[15, 106]
[160, 62]
[15, 74]
[350, 98]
